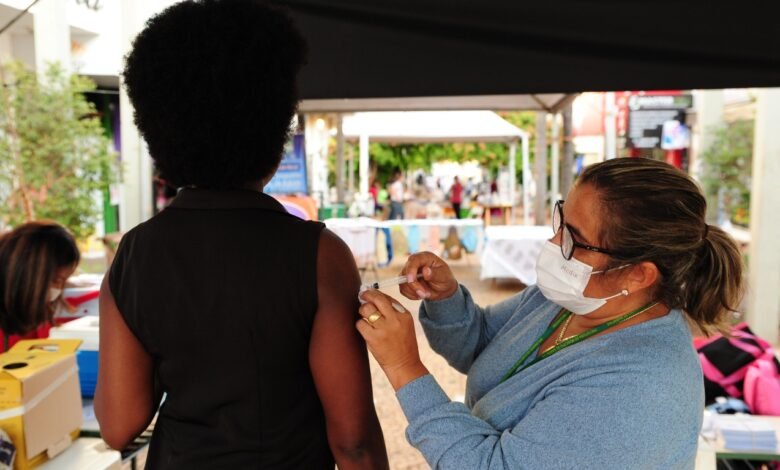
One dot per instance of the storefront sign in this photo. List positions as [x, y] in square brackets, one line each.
[660, 102]
[648, 114]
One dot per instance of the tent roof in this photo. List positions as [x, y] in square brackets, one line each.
[550, 102]
[431, 126]
[413, 48]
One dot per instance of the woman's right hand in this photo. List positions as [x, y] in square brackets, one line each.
[437, 281]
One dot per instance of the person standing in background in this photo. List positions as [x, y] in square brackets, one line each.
[456, 196]
[397, 196]
[373, 190]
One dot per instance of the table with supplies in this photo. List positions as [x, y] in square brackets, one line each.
[738, 437]
[510, 251]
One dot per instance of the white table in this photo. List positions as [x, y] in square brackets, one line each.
[512, 250]
[718, 446]
[360, 234]
[85, 453]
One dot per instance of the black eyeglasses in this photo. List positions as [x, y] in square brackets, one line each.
[568, 243]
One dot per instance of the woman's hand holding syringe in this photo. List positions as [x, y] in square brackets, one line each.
[424, 277]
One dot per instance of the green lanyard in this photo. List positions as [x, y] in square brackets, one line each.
[573, 340]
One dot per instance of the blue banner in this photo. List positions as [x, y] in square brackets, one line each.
[290, 178]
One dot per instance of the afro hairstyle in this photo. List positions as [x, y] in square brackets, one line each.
[213, 84]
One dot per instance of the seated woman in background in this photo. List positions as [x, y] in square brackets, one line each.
[35, 261]
[240, 312]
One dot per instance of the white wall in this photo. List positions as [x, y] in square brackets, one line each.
[99, 52]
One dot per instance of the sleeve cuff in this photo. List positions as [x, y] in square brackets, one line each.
[444, 311]
[420, 395]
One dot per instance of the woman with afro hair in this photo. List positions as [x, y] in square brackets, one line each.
[239, 313]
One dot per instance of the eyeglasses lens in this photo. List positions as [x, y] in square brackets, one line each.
[567, 243]
[557, 217]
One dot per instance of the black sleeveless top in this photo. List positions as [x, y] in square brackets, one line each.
[221, 289]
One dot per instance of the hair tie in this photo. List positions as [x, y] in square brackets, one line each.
[706, 231]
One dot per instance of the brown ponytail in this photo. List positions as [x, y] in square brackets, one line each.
[714, 286]
[655, 213]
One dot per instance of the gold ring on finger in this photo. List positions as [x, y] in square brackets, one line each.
[374, 317]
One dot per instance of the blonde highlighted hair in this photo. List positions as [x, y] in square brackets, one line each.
[655, 212]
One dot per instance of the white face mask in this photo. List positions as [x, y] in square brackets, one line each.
[54, 293]
[563, 281]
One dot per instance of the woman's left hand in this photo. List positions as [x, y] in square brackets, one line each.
[388, 329]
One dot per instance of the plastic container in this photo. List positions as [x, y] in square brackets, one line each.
[87, 330]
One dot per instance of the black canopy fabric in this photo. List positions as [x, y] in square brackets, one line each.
[409, 48]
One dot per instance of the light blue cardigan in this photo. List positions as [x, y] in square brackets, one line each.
[632, 398]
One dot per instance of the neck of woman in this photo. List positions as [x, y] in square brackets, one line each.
[655, 310]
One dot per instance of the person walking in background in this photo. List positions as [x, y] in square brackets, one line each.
[373, 190]
[36, 259]
[382, 199]
[396, 191]
[239, 312]
[456, 196]
[594, 366]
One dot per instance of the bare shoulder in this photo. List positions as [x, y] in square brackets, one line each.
[334, 258]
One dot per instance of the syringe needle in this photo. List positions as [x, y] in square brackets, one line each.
[390, 282]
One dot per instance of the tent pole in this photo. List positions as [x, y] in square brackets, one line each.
[339, 158]
[540, 197]
[351, 172]
[512, 177]
[567, 178]
[363, 164]
[610, 126]
[555, 166]
[526, 183]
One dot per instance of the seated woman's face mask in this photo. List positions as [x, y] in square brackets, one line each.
[54, 293]
[563, 281]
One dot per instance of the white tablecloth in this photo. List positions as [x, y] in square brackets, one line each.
[512, 250]
[360, 236]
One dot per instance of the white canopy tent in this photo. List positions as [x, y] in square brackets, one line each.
[438, 126]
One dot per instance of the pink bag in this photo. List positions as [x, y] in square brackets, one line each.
[762, 386]
[742, 366]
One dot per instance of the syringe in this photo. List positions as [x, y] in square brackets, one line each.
[388, 282]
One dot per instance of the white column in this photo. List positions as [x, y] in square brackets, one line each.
[51, 34]
[136, 189]
[526, 183]
[610, 126]
[709, 116]
[512, 176]
[555, 178]
[5, 48]
[363, 165]
[764, 277]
